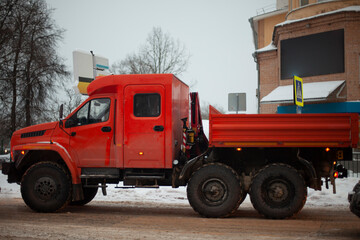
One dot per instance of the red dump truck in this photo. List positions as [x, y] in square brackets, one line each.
[136, 129]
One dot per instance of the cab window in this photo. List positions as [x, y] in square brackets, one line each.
[94, 111]
[147, 105]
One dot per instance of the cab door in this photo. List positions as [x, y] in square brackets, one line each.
[144, 126]
[92, 133]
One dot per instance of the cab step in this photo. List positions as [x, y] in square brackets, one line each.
[143, 178]
[143, 175]
[91, 173]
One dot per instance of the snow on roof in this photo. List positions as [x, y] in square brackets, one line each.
[268, 48]
[347, 9]
[312, 92]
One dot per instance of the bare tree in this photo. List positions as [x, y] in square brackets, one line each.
[68, 96]
[205, 109]
[74, 98]
[160, 54]
[42, 64]
[29, 61]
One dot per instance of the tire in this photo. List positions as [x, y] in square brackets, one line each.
[278, 191]
[46, 187]
[355, 201]
[356, 188]
[89, 194]
[215, 190]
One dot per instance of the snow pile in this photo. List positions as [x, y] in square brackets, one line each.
[312, 91]
[162, 195]
[326, 196]
[5, 158]
[8, 190]
[206, 127]
[270, 47]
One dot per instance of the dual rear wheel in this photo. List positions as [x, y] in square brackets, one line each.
[277, 191]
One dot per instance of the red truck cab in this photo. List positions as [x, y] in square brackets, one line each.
[128, 122]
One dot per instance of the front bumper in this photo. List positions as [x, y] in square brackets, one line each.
[8, 168]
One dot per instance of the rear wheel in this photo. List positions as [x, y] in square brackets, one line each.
[89, 194]
[278, 191]
[215, 190]
[46, 187]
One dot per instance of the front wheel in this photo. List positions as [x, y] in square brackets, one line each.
[46, 187]
[278, 191]
[215, 190]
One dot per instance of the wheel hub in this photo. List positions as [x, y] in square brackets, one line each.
[45, 188]
[278, 192]
[214, 191]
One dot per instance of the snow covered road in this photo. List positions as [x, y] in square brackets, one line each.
[148, 219]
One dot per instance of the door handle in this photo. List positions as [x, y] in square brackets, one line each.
[159, 128]
[106, 129]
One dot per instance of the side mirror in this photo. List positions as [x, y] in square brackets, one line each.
[61, 111]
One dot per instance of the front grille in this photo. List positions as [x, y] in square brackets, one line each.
[33, 134]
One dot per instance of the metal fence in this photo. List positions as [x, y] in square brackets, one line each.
[353, 166]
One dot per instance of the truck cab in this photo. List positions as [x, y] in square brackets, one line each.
[129, 129]
[131, 121]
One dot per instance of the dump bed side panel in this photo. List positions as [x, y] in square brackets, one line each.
[285, 130]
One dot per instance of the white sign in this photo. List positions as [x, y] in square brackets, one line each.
[87, 67]
[237, 102]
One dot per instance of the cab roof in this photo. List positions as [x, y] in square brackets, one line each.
[111, 83]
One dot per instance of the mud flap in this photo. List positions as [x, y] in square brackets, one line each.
[78, 193]
[191, 164]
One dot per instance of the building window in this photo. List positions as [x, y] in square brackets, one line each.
[304, 2]
[313, 55]
[147, 105]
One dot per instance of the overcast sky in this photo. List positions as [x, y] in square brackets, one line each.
[216, 33]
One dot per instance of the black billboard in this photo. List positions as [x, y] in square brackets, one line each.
[312, 55]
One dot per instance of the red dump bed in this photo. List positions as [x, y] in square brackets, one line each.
[283, 130]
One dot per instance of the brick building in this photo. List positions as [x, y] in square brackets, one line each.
[316, 40]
